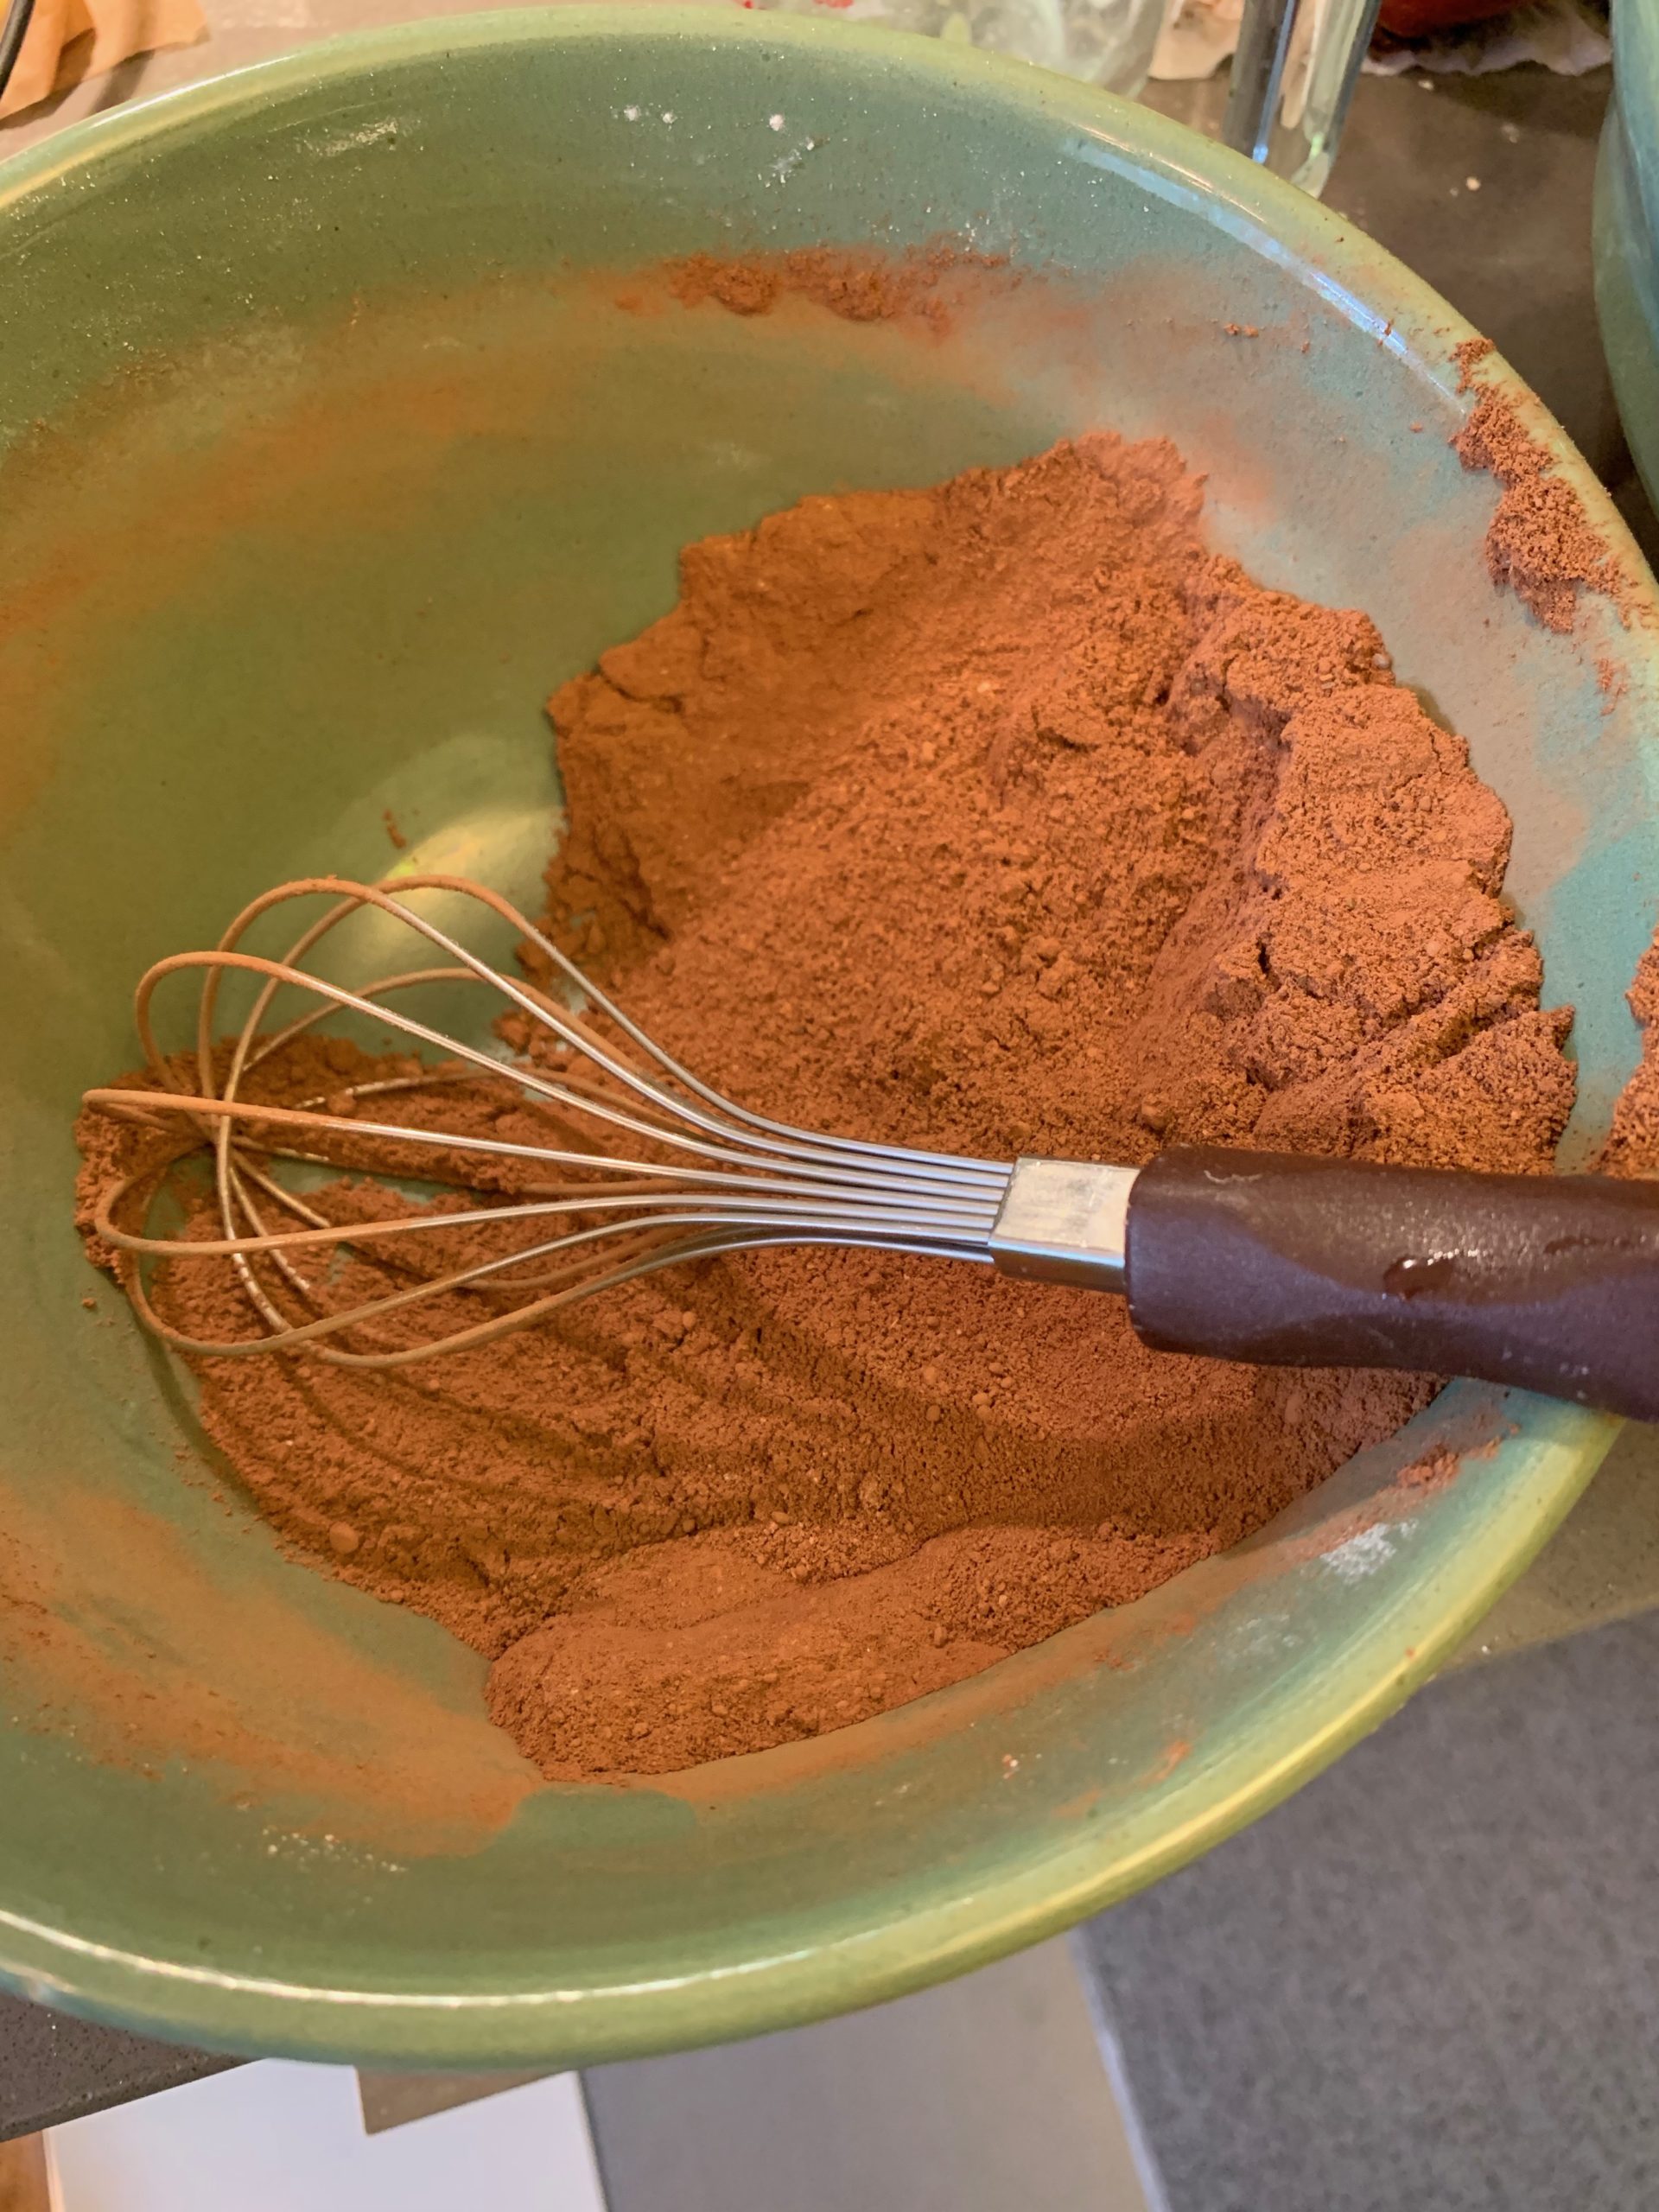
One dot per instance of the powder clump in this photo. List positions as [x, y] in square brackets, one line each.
[1001, 818]
[1541, 542]
[927, 284]
[1633, 1146]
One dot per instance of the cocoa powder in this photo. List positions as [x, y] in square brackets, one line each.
[1541, 542]
[1633, 1146]
[927, 283]
[998, 817]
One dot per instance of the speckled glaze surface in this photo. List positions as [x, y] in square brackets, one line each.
[336, 441]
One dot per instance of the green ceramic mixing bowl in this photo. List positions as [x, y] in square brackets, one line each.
[1627, 234]
[334, 432]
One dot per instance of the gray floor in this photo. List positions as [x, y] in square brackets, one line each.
[1430, 1982]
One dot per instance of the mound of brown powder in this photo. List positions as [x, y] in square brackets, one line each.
[1000, 818]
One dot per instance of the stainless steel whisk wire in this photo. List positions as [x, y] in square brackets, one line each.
[739, 1181]
[1531, 1281]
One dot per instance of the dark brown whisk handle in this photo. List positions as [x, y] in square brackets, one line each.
[1548, 1282]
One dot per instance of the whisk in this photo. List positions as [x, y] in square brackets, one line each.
[1550, 1283]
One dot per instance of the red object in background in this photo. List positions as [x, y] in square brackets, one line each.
[1418, 18]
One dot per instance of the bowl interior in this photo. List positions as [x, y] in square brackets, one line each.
[351, 420]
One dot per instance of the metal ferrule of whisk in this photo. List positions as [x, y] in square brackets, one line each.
[661, 1170]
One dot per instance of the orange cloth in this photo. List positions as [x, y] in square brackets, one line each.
[69, 40]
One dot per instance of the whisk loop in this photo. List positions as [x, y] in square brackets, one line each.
[681, 1172]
